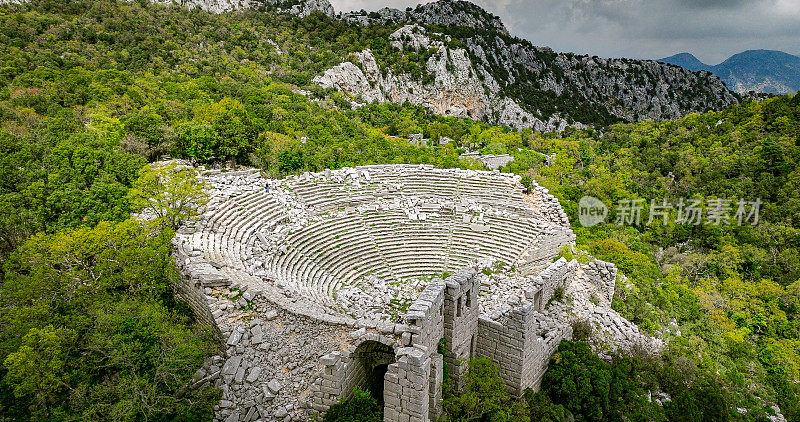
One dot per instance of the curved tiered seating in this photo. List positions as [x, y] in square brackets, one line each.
[394, 222]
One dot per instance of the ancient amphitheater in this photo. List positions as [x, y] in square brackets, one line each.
[378, 277]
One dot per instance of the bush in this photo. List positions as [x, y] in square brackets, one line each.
[578, 380]
[484, 397]
[542, 409]
[361, 408]
[582, 329]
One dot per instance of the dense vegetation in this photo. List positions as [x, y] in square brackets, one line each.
[733, 291]
[579, 386]
[91, 91]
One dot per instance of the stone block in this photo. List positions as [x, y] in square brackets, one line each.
[254, 374]
[274, 386]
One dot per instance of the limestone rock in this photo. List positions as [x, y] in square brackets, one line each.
[274, 386]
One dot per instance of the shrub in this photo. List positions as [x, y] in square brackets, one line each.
[582, 329]
[578, 380]
[484, 397]
[542, 409]
[362, 407]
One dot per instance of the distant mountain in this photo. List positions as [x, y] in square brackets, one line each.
[687, 61]
[769, 71]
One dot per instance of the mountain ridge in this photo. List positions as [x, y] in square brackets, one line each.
[442, 12]
[768, 71]
[456, 59]
[527, 86]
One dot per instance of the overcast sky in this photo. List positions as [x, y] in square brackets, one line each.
[712, 30]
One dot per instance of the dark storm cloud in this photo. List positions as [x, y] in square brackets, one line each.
[711, 29]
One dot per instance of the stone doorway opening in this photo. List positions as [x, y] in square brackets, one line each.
[374, 359]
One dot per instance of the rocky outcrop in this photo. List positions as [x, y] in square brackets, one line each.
[457, 87]
[301, 8]
[624, 89]
[446, 13]
[305, 8]
[505, 80]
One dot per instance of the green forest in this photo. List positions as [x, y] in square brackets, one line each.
[91, 91]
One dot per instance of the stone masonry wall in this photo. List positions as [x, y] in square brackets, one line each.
[503, 341]
[520, 342]
[342, 369]
[545, 249]
[519, 346]
[547, 334]
[193, 281]
[425, 319]
[461, 312]
[407, 387]
[553, 277]
[521, 339]
[605, 273]
[412, 384]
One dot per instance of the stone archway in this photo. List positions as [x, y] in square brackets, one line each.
[373, 359]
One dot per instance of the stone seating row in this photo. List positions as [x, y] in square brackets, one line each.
[328, 195]
[341, 249]
[352, 247]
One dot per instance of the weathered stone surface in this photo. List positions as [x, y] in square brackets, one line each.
[235, 337]
[274, 386]
[281, 412]
[232, 365]
[302, 8]
[254, 374]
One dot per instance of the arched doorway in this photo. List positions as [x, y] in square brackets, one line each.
[374, 359]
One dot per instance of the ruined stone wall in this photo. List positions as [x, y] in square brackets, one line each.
[520, 342]
[547, 247]
[520, 339]
[461, 313]
[407, 387]
[193, 281]
[412, 384]
[191, 292]
[344, 370]
[540, 351]
[548, 281]
[503, 341]
[425, 319]
[604, 275]
[435, 385]
[340, 376]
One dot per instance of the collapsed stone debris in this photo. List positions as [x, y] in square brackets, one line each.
[376, 277]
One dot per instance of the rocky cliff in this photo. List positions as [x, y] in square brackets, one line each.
[481, 72]
[452, 13]
[458, 86]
